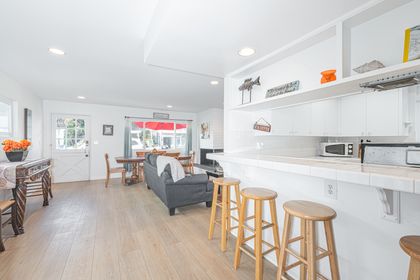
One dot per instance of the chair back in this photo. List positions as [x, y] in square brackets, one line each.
[140, 154]
[174, 155]
[192, 160]
[107, 162]
[156, 152]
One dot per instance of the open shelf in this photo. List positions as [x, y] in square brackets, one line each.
[339, 88]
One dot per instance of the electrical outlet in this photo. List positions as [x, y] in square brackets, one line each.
[330, 189]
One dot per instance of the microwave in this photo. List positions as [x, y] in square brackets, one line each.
[337, 149]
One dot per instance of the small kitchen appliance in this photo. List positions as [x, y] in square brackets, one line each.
[341, 149]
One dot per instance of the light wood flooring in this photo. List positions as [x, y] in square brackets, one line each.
[89, 232]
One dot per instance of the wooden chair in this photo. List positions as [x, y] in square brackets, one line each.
[110, 171]
[189, 164]
[141, 165]
[174, 155]
[258, 196]
[411, 245]
[309, 213]
[156, 152]
[4, 206]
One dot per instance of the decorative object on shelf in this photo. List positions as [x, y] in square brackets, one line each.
[289, 87]
[328, 76]
[16, 151]
[246, 89]
[205, 130]
[163, 116]
[27, 125]
[370, 66]
[412, 44]
[262, 125]
[108, 129]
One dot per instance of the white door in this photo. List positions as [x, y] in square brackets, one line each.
[70, 148]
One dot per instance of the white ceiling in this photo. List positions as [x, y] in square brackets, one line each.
[113, 46]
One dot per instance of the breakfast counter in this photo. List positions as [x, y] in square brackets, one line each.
[350, 170]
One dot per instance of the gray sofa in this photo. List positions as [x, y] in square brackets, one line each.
[190, 190]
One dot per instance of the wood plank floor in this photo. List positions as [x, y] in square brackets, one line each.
[89, 232]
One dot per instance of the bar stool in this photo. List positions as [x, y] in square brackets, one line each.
[411, 245]
[225, 204]
[309, 213]
[258, 195]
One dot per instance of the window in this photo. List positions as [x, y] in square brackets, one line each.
[5, 117]
[70, 134]
[160, 135]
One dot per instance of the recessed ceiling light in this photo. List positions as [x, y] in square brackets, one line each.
[56, 51]
[169, 106]
[246, 51]
[214, 83]
[81, 97]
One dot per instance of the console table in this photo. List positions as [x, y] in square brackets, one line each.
[26, 173]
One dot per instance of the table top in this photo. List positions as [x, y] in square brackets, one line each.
[129, 159]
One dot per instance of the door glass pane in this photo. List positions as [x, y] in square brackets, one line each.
[70, 134]
[181, 137]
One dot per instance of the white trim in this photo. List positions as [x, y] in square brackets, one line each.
[12, 117]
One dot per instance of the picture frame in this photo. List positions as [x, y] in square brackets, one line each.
[412, 44]
[205, 130]
[108, 130]
[27, 124]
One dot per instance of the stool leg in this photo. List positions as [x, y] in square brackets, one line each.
[258, 240]
[414, 270]
[213, 211]
[303, 248]
[228, 219]
[310, 226]
[240, 238]
[273, 213]
[285, 242]
[224, 218]
[331, 247]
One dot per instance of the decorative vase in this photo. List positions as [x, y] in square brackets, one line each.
[328, 76]
[17, 156]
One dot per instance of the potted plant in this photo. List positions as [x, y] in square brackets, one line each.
[16, 151]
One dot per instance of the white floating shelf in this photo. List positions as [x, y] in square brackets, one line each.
[346, 86]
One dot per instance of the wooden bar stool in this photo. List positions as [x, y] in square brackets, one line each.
[225, 204]
[411, 245]
[6, 205]
[258, 195]
[309, 213]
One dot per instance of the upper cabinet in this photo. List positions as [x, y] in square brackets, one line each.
[368, 114]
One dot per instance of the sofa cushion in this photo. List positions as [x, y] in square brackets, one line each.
[166, 175]
[151, 158]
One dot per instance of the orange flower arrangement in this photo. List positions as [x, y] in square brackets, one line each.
[15, 146]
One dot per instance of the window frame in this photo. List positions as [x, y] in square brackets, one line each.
[11, 105]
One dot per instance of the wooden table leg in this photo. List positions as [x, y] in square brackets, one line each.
[46, 188]
[19, 194]
[134, 173]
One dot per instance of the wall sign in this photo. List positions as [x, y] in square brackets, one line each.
[262, 125]
[163, 116]
[289, 87]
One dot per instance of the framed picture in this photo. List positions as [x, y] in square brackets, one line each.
[412, 44]
[27, 124]
[108, 129]
[205, 130]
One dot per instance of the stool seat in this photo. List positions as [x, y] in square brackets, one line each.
[309, 210]
[226, 181]
[411, 245]
[6, 204]
[259, 193]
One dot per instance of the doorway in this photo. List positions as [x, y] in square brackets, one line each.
[70, 148]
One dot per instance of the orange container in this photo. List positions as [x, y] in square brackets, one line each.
[328, 76]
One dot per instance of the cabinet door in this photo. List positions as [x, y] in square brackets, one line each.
[302, 119]
[383, 113]
[353, 115]
[282, 121]
[325, 118]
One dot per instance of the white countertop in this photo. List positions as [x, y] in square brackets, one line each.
[399, 178]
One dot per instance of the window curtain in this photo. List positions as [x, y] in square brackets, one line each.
[127, 142]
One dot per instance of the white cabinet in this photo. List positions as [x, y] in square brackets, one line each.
[325, 118]
[292, 120]
[353, 115]
[383, 113]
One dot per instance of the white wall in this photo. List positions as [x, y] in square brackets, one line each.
[100, 115]
[214, 117]
[22, 99]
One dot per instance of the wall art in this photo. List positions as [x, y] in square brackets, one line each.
[289, 87]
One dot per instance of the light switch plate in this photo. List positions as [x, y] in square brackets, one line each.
[330, 188]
